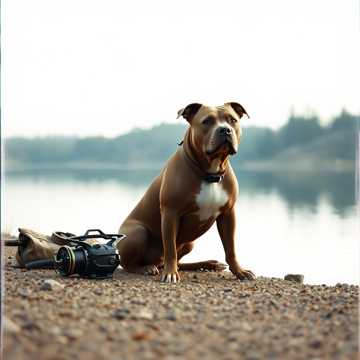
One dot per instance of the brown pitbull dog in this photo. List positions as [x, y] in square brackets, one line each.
[196, 187]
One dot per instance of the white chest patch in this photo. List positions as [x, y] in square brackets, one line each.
[211, 198]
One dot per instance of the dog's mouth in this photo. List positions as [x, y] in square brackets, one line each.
[226, 146]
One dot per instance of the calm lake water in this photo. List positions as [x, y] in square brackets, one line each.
[287, 223]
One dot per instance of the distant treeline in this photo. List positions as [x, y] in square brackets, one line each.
[338, 140]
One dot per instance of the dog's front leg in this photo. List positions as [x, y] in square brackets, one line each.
[226, 224]
[169, 230]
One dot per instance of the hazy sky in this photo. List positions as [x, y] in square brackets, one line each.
[103, 67]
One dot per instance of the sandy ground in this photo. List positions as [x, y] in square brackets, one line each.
[206, 316]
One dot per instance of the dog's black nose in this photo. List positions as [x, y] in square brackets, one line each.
[225, 131]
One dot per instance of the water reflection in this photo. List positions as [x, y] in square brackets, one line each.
[304, 190]
[298, 190]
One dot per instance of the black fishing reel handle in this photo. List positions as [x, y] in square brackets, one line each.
[94, 230]
[100, 234]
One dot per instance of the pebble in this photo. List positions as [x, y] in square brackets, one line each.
[54, 330]
[297, 278]
[316, 343]
[51, 285]
[25, 292]
[72, 334]
[98, 292]
[246, 326]
[143, 314]
[31, 325]
[227, 289]
[171, 315]
[121, 314]
[140, 336]
[10, 327]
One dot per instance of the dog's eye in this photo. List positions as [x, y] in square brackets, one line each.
[207, 121]
[233, 120]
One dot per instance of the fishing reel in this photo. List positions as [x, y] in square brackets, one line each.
[95, 261]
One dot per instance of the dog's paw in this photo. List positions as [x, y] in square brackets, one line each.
[151, 270]
[170, 276]
[243, 274]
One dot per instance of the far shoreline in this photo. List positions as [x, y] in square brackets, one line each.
[278, 165]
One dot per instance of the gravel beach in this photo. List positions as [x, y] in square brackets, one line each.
[208, 315]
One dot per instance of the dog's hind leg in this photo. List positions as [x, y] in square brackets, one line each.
[212, 265]
[134, 250]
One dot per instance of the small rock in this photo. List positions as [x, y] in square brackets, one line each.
[246, 326]
[227, 290]
[62, 340]
[212, 326]
[14, 264]
[233, 337]
[298, 278]
[103, 328]
[144, 314]
[67, 313]
[24, 292]
[54, 330]
[31, 326]
[274, 303]
[138, 302]
[140, 336]
[243, 295]
[98, 292]
[10, 327]
[72, 334]
[50, 284]
[340, 285]
[316, 343]
[171, 315]
[121, 314]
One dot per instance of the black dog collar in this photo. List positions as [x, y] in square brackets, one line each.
[213, 178]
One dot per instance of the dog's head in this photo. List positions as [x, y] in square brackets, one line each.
[214, 131]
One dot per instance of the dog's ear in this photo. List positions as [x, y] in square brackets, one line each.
[239, 109]
[189, 111]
